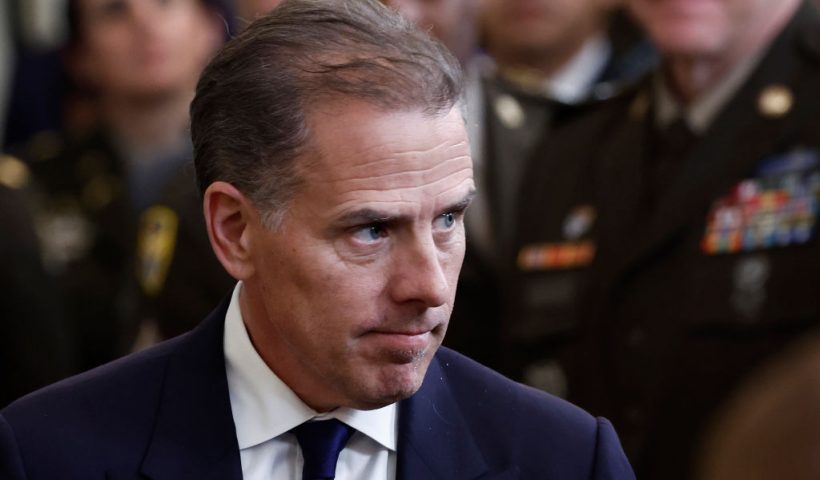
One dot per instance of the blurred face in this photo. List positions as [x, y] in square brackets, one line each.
[144, 47]
[528, 30]
[351, 295]
[703, 28]
[453, 22]
[248, 10]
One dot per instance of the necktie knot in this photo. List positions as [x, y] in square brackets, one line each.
[321, 442]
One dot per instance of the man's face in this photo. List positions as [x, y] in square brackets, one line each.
[144, 47]
[701, 28]
[453, 22]
[534, 28]
[351, 294]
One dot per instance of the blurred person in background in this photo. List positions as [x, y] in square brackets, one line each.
[32, 76]
[137, 62]
[667, 240]
[540, 60]
[770, 428]
[35, 344]
[453, 22]
[180, 278]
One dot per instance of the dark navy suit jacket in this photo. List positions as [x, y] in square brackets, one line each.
[165, 414]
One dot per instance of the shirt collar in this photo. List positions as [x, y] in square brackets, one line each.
[264, 407]
[703, 111]
[572, 83]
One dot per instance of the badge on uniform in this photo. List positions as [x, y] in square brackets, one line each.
[155, 247]
[509, 111]
[778, 207]
[573, 253]
[64, 231]
[751, 274]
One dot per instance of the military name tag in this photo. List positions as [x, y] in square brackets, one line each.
[778, 207]
[552, 256]
[573, 253]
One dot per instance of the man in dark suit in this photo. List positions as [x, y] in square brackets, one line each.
[668, 243]
[332, 153]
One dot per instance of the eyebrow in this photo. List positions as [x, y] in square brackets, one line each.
[460, 205]
[366, 216]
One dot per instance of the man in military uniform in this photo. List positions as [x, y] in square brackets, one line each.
[544, 59]
[668, 239]
[137, 62]
[36, 343]
[180, 278]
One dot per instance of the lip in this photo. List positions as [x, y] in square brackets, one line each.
[412, 341]
[408, 332]
[689, 7]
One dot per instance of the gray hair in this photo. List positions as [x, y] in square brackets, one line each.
[249, 117]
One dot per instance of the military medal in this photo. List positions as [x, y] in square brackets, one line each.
[776, 208]
[750, 277]
[573, 253]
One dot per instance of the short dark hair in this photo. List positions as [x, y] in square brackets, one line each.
[249, 117]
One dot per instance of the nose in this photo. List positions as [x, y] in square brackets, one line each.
[419, 275]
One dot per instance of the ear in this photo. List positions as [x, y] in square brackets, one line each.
[229, 216]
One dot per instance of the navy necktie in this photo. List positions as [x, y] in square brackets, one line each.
[321, 443]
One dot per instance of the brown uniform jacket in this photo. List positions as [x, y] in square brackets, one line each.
[648, 303]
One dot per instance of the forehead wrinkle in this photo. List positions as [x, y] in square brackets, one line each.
[398, 155]
[418, 177]
[408, 195]
[391, 159]
[420, 180]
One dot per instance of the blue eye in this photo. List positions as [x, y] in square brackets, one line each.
[446, 221]
[370, 233]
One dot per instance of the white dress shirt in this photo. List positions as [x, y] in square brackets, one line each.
[265, 409]
[574, 82]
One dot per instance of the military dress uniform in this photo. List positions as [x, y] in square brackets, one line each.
[87, 206]
[647, 288]
[180, 278]
[87, 230]
[35, 343]
[509, 114]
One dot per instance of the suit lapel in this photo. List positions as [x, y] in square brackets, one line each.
[740, 137]
[434, 439]
[194, 435]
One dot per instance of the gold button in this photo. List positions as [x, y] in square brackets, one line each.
[13, 172]
[775, 101]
